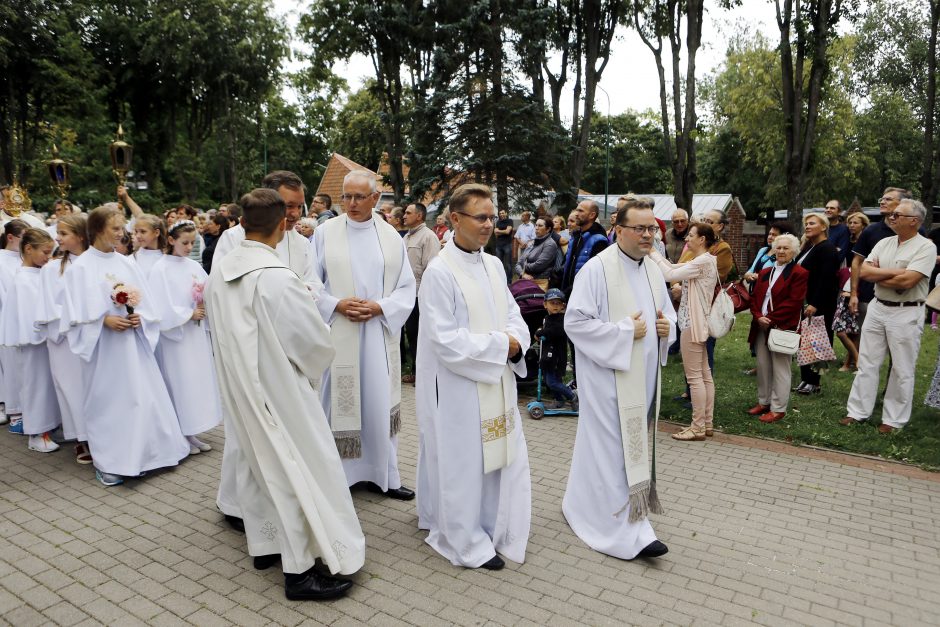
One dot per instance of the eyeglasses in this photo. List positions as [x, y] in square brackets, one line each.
[481, 218]
[887, 199]
[355, 197]
[640, 230]
[895, 215]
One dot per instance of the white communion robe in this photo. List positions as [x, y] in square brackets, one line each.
[470, 515]
[28, 218]
[270, 346]
[597, 482]
[146, 259]
[184, 352]
[379, 460]
[68, 370]
[18, 329]
[295, 252]
[10, 262]
[129, 417]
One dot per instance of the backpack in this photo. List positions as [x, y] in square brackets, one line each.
[721, 316]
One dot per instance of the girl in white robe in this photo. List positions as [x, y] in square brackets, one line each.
[129, 417]
[10, 262]
[68, 370]
[149, 242]
[18, 329]
[184, 352]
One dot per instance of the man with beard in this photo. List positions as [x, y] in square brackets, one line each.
[588, 241]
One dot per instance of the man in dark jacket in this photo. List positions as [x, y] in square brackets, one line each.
[589, 240]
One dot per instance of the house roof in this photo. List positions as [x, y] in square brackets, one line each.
[666, 204]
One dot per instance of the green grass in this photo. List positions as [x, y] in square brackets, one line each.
[812, 420]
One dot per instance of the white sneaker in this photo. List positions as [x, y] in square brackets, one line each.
[197, 443]
[42, 443]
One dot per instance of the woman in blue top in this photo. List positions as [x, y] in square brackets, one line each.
[765, 256]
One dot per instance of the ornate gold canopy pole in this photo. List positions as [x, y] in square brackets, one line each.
[59, 174]
[121, 155]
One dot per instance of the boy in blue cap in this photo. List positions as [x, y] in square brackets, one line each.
[554, 359]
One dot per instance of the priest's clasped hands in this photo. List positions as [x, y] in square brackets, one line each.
[639, 325]
[358, 309]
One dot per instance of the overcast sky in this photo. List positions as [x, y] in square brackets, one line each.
[630, 77]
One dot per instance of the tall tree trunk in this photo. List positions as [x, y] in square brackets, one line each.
[930, 176]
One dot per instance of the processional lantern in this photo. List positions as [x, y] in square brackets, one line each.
[59, 174]
[121, 155]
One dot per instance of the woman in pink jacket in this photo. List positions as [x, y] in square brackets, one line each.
[698, 276]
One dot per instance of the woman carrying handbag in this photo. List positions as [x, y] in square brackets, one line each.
[777, 302]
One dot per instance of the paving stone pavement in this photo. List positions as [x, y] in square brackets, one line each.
[755, 536]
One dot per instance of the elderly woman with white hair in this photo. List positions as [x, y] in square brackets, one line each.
[778, 297]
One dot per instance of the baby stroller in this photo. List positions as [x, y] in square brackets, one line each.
[531, 300]
[537, 408]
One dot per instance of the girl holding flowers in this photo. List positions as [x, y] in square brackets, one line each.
[18, 330]
[68, 369]
[129, 417]
[184, 352]
[149, 242]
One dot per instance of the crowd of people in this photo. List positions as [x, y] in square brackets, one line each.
[290, 330]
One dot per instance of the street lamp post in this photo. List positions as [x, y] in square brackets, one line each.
[607, 159]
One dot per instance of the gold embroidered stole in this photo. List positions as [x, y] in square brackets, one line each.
[497, 410]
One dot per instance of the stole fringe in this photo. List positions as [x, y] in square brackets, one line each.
[349, 444]
[642, 502]
[395, 421]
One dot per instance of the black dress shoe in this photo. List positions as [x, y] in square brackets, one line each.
[235, 523]
[653, 549]
[314, 586]
[264, 562]
[495, 563]
[400, 494]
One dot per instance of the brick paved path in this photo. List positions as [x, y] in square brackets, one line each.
[754, 535]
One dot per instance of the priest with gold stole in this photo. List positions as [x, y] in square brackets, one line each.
[474, 490]
[620, 320]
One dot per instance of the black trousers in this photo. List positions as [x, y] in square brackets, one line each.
[411, 334]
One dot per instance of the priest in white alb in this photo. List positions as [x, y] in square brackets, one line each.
[474, 490]
[295, 252]
[620, 320]
[270, 345]
[368, 294]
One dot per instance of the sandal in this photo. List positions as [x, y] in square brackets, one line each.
[689, 435]
[82, 456]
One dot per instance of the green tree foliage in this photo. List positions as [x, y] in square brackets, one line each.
[196, 84]
[359, 132]
[637, 162]
[857, 149]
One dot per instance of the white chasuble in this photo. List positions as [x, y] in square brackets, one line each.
[598, 487]
[295, 252]
[184, 352]
[18, 330]
[129, 417]
[470, 514]
[68, 370]
[146, 259]
[270, 345]
[368, 271]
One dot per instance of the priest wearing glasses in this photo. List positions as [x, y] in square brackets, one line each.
[621, 321]
[474, 490]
